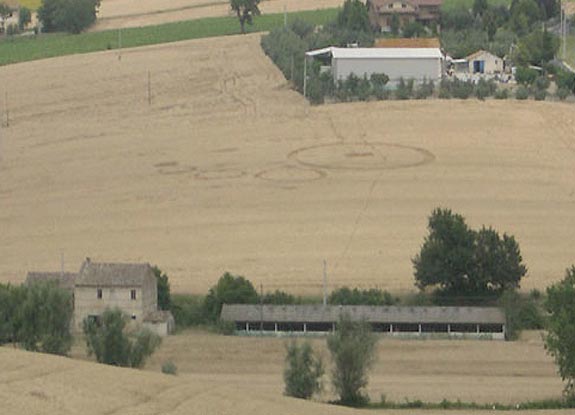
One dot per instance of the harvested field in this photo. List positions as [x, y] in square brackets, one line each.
[224, 168]
[243, 376]
[116, 14]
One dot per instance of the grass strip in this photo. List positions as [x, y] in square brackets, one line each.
[446, 404]
[22, 49]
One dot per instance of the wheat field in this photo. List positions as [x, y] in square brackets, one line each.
[196, 156]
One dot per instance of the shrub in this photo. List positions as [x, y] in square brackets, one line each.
[227, 328]
[484, 89]
[521, 313]
[525, 76]
[163, 288]
[541, 83]
[109, 341]
[565, 79]
[540, 94]
[424, 90]
[352, 347]
[404, 89]
[24, 17]
[303, 371]
[562, 93]
[12, 29]
[169, 368]
[188, 310]
[501, 93]
[461, 89]
[521, 93]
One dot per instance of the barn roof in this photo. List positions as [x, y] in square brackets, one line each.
[479, 53]
[372, 314]
[64, 279]
[378, 53]
[113, 274]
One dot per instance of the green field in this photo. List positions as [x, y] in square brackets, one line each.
[13, 50]
[30, 4]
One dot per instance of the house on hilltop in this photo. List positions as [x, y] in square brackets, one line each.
[382, 12]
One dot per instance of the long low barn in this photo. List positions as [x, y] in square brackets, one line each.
[484, 322]
[408, 63]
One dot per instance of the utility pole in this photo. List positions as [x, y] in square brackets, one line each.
[149, 88]
[261, 308]
[304, 75]
[324, 282]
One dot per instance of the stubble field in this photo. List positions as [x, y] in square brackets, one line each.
[196, 156]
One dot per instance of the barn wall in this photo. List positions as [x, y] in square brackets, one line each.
[420, 68]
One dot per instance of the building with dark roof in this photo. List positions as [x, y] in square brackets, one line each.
[482, 322]
[65, 280]
[129, 287]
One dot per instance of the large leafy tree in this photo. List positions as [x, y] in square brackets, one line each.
[71, 16]
[245, 10]
[5, 13]
[230, 289]
[352, 348]
[560, 338]
[460, 261]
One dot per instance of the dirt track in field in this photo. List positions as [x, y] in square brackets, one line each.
[230, 170]
[115, 14]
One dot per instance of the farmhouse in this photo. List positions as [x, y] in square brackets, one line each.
[484, 62]
[383, 12]
[478, 322]
[396, 63]
[98, 286]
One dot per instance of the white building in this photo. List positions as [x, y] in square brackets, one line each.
[483, 62]
[396, 63]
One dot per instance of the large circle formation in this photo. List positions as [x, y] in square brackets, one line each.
[361, 156]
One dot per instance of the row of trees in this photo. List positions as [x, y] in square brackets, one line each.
[36, 316]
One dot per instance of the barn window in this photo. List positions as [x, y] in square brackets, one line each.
[99, 293]
[133, 294]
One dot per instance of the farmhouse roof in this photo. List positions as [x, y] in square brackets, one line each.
[113, 274]
[416, 42]
[64, 279]
[378, 53]
[479, 53]
[372, 314]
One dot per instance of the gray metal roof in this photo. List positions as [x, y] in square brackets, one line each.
[113, 274]
[64, 279]
[372, 314]
[378, 53]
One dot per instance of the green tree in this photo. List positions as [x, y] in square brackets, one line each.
[394, 25]
[352, 347]
[44, 316]
[460, 261]
[245, 10]
[108, 339]
[10, 298]
[479, 7]
[354, 16]
[24, 17]
[446, 257]
[164, 298]
[524, 14]
[71, 16]
[372, 296]
[303, 371]
[229, 290]
[560, 338]
[537, 48]
[278, 297]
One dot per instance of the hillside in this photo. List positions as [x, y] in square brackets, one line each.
[224, 168]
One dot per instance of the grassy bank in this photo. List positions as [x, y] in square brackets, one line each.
[21, 49]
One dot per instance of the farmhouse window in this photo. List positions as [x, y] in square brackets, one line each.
[99, 293]
[133, 294]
